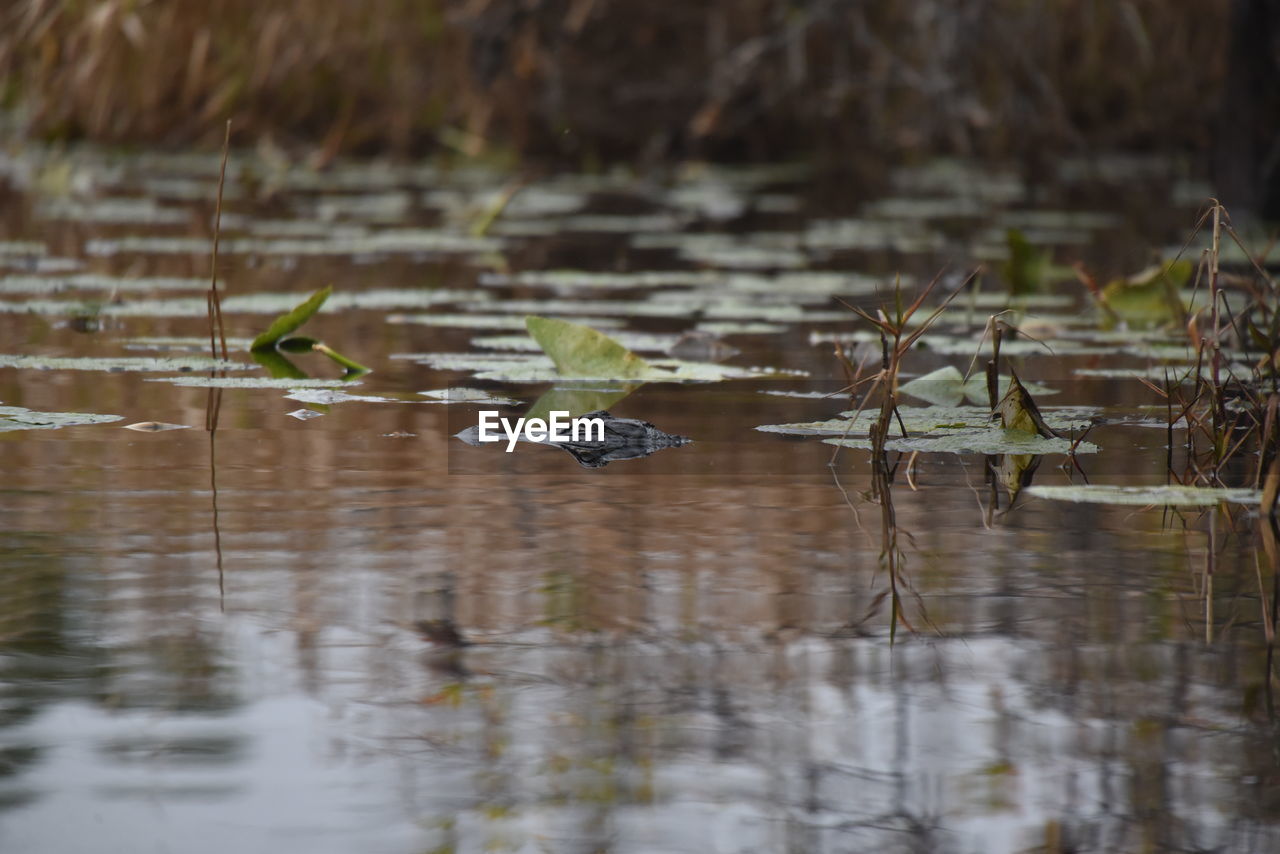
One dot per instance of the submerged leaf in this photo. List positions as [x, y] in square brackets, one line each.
[291, 321]
[580, 351]
[1027, 268]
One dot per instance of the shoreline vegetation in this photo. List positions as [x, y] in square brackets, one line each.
[588, 82]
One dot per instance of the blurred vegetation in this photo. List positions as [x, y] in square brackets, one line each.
[592, 80]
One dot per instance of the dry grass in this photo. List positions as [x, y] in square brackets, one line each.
[603, 78]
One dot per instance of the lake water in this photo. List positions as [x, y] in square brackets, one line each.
[208, 636]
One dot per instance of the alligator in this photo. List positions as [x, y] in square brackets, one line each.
[624, 439]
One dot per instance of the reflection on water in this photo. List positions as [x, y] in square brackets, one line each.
[356, 633]
[660, 662]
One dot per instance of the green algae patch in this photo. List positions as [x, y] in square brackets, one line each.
[1144, 496]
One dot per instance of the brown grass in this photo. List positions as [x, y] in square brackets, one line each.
[604, 78]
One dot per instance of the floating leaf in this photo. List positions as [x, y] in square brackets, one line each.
[21, 418]
[993, 440]
[116, 364]
[327, 396]
[288, 323]
[155, 426]
[1150, 297]
[528, 368]
[947, 387]
[467, 395]
[580, 351]
[304, 414]
[253, 382]
[1193, 496]
[929, 419]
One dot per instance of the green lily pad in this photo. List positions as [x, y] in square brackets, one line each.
[1150, 297]
[580, 351]
[947, 387]
[1191, 496]
[21, 418]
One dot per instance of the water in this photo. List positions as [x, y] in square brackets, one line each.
[207, 638]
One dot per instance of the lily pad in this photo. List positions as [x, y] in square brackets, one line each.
[327, 396]
[1190, 496]
[930, 419]
[21, 418]
[492, 321]
[992, 440]
[652, 342]
[466, 395]
[947, 387]
[252, 382]
[98, 282]
[116, 364]
[530, 368]
[1150, 297]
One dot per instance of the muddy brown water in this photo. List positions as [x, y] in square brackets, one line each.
[207, 638]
